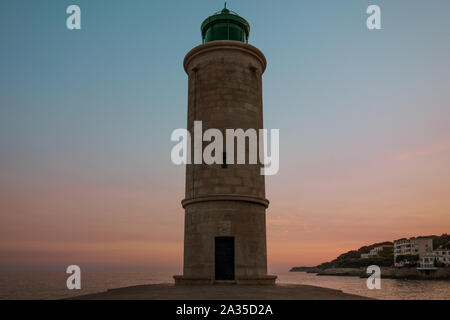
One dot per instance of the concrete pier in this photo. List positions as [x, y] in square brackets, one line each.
[221, 292]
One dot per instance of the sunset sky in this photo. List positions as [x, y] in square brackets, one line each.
[86, 118]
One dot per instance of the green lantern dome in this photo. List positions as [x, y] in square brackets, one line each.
[225, 25]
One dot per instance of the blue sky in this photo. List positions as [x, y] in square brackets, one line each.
[119, 80]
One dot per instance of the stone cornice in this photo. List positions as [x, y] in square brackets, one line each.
[225, 197]
[224, 45]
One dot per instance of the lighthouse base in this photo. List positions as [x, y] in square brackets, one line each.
[247, 280]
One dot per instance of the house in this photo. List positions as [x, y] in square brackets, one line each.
[442, 256]
[375, 251]
[426, 262]
[416, 248]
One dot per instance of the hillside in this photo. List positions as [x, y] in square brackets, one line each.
[352, 259]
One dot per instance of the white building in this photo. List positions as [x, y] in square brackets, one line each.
[433, 259]
[375, 251]
[442, 256]
[426, 262]
[412, 247]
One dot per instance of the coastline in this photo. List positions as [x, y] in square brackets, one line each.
[168, 291]
[386, 272]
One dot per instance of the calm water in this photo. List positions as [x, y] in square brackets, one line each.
[52, 285]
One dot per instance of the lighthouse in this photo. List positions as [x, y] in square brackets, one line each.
[225, 204]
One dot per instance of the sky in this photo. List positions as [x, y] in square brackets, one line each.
[86, 117]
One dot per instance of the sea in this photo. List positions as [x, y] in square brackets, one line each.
[52, 285]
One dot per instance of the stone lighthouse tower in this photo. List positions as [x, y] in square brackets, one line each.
[225, 204]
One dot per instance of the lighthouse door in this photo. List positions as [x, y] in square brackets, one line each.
[224, 258]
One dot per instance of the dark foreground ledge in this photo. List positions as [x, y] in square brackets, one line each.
[221, 292]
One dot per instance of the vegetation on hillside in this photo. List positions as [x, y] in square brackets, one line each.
[442, 241]
[352, 259]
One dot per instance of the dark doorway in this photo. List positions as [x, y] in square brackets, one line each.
[224, 251]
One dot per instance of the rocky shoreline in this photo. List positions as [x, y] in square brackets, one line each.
[386, 272]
